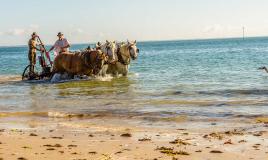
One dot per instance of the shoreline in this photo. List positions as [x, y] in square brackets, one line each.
[108, 139]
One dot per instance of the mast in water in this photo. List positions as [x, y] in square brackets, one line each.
[243, 33]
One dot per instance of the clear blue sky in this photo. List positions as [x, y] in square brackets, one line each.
[84, 21]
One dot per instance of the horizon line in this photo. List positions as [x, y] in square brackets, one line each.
[144, 41]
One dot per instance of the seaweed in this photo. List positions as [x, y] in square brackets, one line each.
[126, 135]
[144, 139]
[180, 142]
[33, 134]
[171, 152]
[216, 151]
[56, 145]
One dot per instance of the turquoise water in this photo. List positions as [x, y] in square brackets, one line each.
[197, 78]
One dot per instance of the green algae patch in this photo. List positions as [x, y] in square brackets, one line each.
[262, 120]
[171, 152]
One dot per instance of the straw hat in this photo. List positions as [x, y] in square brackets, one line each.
[60, 34]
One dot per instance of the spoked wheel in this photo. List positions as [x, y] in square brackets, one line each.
[29, 75]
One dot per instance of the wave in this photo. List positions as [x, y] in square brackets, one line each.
[227, 92]
[9, 78]
[161, 116]
[208, 102]
[52, 114]
[42, 114]
[23, 114]
[236, 92]
[66, 115]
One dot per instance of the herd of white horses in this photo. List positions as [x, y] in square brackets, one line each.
[119, 56]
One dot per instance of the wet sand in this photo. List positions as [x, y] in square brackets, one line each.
[101, 140]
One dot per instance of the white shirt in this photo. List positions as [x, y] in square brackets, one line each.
[59, 44]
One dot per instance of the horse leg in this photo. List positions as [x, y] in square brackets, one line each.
[125, 74]
[53, 72]
[56, 77]
[115, 74]
[121, 69]
[103, 71]
[71, 76]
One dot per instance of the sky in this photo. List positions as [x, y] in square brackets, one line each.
[88, 21]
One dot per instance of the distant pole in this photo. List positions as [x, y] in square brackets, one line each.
[243, 33]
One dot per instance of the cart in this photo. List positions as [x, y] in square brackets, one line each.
[41, 73]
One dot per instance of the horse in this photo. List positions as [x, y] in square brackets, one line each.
[79, 63]
[109, 48]
[125, 52]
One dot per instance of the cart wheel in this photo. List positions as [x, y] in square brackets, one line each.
[27, 75]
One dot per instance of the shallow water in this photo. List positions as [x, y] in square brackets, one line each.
[200, 79]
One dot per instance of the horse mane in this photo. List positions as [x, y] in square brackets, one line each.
[124, 49]
[88, 56]
[123, 54]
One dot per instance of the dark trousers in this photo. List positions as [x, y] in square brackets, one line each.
[32, 59]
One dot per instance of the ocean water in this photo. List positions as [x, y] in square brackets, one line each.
[199, 79]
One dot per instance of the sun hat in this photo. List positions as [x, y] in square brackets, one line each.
[60, 34]
[34, 34]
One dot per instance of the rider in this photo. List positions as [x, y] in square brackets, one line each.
[61, 45]
[32, 51]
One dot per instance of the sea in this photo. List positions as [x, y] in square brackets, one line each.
[194, 79]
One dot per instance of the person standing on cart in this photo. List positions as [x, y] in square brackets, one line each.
[61, 45]
[32, 44]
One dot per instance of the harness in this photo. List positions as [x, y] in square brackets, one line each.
[107, 54]
[71, 62]
[120, 57]
[93, 67]
[89, 65]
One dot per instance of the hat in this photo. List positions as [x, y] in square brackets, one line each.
[60, 34]
[34, 34]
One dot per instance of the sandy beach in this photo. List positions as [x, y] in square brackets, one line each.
[100, 139]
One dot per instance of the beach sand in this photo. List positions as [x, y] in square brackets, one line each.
[101, 140]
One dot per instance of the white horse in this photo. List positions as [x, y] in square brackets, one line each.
[108, 48]
[125, 52]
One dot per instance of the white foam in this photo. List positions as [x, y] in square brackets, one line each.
[61, 78]
[59, 115]
[136, 74]
[56, 78]
[104, 78]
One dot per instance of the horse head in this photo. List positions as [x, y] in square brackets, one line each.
[133, 49]
[109, 49]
